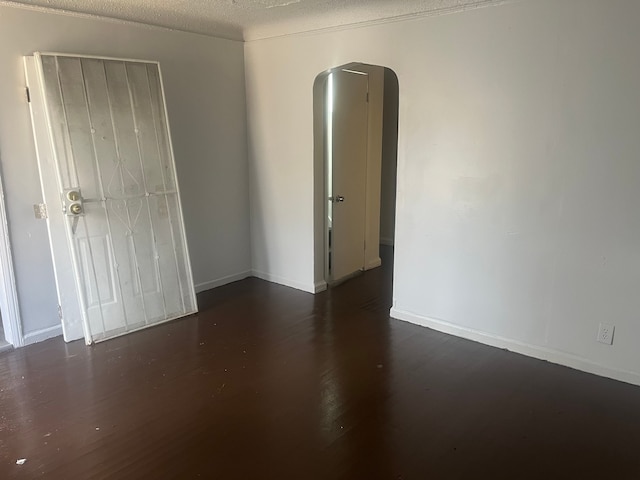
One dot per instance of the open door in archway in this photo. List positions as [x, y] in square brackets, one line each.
[347, 180]
[355, 126]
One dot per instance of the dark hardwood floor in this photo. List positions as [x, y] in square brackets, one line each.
[269, 382]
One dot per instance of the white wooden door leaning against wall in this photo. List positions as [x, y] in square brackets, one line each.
[111, 193]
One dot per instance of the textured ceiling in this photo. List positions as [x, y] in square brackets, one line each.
[253, 19]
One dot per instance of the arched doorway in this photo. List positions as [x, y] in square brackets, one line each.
[355, 158]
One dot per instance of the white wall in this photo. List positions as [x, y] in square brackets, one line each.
[204, 82]
[518, 171]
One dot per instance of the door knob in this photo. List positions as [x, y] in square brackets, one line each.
[73, 195]
[72, 202]
[76, 208]
[339, 198]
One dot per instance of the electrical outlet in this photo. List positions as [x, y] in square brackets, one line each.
[605, 333]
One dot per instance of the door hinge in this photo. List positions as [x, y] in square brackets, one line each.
[28, 94]
[60, 312]
[40, 211]
[367, 97]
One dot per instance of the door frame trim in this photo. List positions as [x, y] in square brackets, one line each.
[9, 304]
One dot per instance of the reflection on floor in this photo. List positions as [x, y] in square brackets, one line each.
[270, 382]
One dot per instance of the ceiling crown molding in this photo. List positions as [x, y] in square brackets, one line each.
[256, 20]
[252, 34]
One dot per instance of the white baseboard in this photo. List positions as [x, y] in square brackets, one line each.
[386, 241]
[320, 286]
[542, 353]
[375, 263]
[201, 287]
[43, 334]
[310, 288]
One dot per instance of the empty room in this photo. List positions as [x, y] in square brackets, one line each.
[319, 239]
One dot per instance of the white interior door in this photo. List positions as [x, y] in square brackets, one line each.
[108, 160]
[349, 172]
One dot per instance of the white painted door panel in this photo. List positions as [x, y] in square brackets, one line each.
[70, 310]
[110, 140]
[349, 157]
